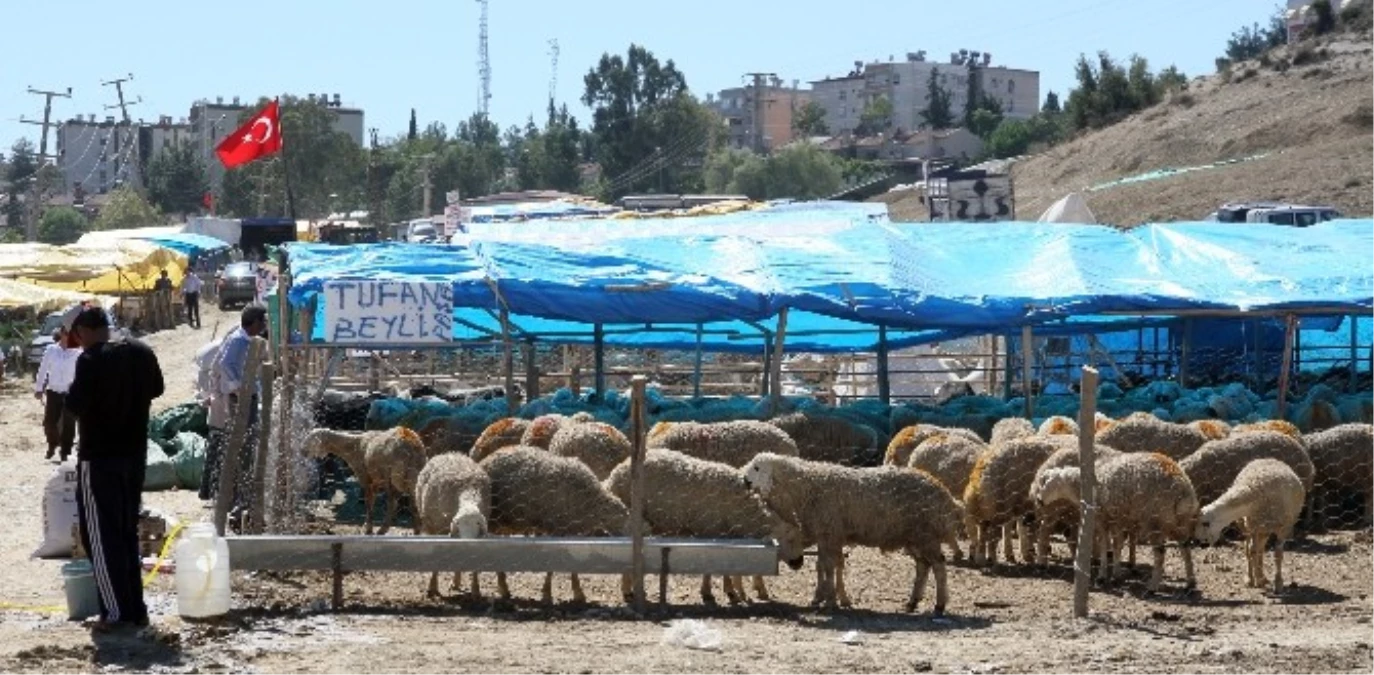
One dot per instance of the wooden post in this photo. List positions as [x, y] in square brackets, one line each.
[1290, 329]
[1010, 373]
[1087, 434]
[508, 365]
[1027, 358]
[696, 366]
[230, 464]
[575, 381]
[374, 372]
[257, 508]
[776, 365]
[599, 360]
[336, 568]
[1352, 386]
[992, 368]
[884, 379]
[531, 370]
[1185, 352]
[638, 430]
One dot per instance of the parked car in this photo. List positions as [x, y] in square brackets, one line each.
[237, 284]
[42, 337]
[422, 231]
[1276, 213]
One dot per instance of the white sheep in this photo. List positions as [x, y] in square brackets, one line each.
[1010, 429]
[1343, 463]
[733, 443]
[1143, 432]
[890, 509]
[542, 428]
[905, 441]
[453, 495]
[598, 445]
[1058, 425]
[1267, 497]
[383, 461]
[690, 497]
[1147, 496]
[829, 438]
[502, 433]
[997, 497]
[1057, 506]
[534, 492]
[1212, 429]
[1214, 467]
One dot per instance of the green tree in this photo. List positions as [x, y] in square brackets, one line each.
[986, 117]
[1171, 79]
[1051, 104]
[62, 225]
[876, 117]
[176, 180]
[414, 127]
[23, 164]
[1144, 88]
[1326, 17]
[1011, 138]
[809, 120]
[127, 209]
[799, 171]
[938, 113]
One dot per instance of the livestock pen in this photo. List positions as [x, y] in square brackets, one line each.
[431, 338]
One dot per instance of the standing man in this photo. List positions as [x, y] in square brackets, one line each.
[115, 384]
[230, 367]
[163, 283]
[50, 386]
[190, 296]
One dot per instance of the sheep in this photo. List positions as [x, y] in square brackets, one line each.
[1317, 411]
[733, 443]
[1144, 495]
[542, 428]
[949, 458]
[1267, 497]
[1212, 429]
[1011, 428]
[441, 435]
[998, 494]
[903, 442]
[891, 509]
[535, 492]
[502, 433]
[1281, 426]
[388, 461]
[598, 445]
[1143, 432]
[828, 438]
[1342, 462]
[1058, 425]
[1051, 512]
[453, 495]
[690, 497]
[1215, 465]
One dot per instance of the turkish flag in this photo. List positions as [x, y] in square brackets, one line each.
[208, 201]
[260, 137]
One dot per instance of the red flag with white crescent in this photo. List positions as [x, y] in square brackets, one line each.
[260, 137]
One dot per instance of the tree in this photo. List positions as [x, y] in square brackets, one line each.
[62, 225]
[1326, 17]
[1011, 139]
[176, 180]
[986, 119]
[876, 117]
[23, 165]
[938, 113]
[414, 127]
[809, 121]
[1051, 104]
[127, 209]
[799, 171]
[1171, 79]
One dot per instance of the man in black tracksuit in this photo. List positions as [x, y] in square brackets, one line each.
[115, 384]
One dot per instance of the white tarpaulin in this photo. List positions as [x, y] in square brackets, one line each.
[1070, 209]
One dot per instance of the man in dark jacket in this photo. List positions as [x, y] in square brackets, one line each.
[115, 384]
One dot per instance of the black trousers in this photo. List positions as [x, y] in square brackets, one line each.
[59, 426]
[192, 309]
[108, 501]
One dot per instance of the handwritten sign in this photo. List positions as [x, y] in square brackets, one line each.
[388, 312]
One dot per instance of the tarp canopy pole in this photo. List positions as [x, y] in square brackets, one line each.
[531, 370]
[1289, 332]
[775, 367]
[884, 381]
[599, 351]
[1027, 355]
[1351, 386]
[696, 365]
[508, 364]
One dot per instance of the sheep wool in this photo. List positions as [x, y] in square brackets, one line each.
[889, 509]
[542, 429]
[1267, 497]
[733, 443]
[598, 445]
[383, 461]
[949, 458]
[1215, 465]
[1010, 429]
[500, 434]
[903, 442]
[1281, 426]
[1146, 496]
[829, 438]
[1212, 429]
[1342, 464]
[998, 494]
[1053, 514]
[1143, 432]
[690, 497]
[453, 495]
[1058, 425]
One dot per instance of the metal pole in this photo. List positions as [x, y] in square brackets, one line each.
[1007, 364]
[508, 364]
[696, 367]
[599, 347]
[1185, 352]
[1087, 433]
[1289, 331]
[884, 382]
[775, 366]
[637, 430]
[1354, 353]
[531, 370]
[1027, 358]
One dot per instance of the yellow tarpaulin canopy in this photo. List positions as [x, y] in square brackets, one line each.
[17, 294]
[120, 266]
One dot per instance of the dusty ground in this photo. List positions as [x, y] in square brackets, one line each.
[1008, 621]
[1313, 119]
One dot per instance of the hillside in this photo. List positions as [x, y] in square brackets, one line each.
[1307, 108]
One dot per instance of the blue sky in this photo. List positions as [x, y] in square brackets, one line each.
[388, 57]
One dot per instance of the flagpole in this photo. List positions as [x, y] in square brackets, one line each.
[286, 176]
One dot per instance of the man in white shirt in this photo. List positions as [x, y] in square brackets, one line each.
[50, 386]
[190, 295]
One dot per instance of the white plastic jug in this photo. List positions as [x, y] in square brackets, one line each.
[202, 576]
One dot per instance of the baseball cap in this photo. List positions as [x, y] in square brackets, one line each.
[86, 317]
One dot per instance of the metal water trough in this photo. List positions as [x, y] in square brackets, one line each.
[605, 555]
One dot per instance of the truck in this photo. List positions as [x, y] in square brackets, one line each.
[259, 233]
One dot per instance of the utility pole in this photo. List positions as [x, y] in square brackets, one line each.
[483, 62]
[123, 106]
[759, 146]
[374, 194]
[31, 226]
[428, 185]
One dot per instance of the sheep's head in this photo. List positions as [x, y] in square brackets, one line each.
[468, 524]
[791, 543]
[758, 473]
[1054, 485]
[1210, 525]
[1102, 422]
[1058, 425]
[315, 445]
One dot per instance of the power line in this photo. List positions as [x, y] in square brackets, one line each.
[121, 167]
[483, 62]
[31, 226]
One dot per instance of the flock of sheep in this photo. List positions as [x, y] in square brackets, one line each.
[801, 481]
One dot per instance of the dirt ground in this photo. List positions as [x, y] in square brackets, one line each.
[1006, 621]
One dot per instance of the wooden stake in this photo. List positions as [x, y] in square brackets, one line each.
[230, 465]
[775, 365]
[1289, 331]
[1027, 358]
[1087, 434]
[638, 430]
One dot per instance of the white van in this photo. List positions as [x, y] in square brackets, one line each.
[422, 231]
[1297, 216]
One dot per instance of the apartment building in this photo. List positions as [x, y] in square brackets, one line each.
[773, 106]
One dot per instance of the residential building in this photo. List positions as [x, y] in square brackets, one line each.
[759, 118]
[98, 156]
[906, 85]
[951, 144]
[211, 121]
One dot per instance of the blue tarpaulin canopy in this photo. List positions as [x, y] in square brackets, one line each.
[188, 243]
[843, 269]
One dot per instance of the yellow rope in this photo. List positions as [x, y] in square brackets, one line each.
[162, 555]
